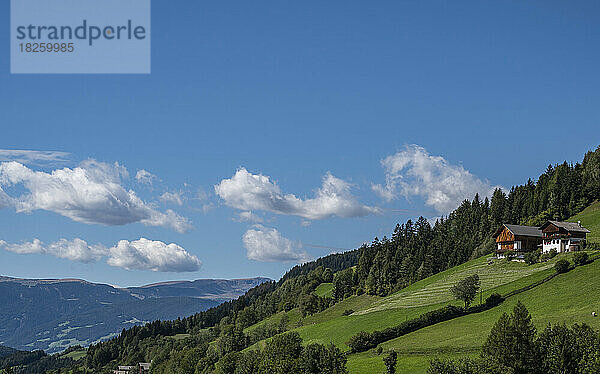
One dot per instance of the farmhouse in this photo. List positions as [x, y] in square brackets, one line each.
[517, 240]
[563, 236]
[560, 236]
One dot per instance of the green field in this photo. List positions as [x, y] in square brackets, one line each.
[76, 355]
[436, 289]
[293, 317]
[324, 290]
[568, 298]
[372, 312]
[462, 336]
[590, 219]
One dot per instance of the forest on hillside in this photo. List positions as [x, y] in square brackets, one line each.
[417, 250]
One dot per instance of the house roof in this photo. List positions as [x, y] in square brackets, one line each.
[525, 230]
[569, 226]
[521, 230]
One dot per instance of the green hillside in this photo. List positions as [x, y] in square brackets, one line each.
[451, 339]
[590, 219]
[372, 312]
[566, 298]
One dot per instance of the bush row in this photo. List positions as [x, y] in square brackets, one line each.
[364, 341]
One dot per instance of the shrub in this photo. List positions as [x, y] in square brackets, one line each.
[318, 359]
[390, 362]
[379, 350]
[493, 300]
[361, 342]
[548, 255]
[347, 312]
[562, 266]
[581, 258]
[532, 257]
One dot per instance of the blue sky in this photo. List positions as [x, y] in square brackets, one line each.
[273, 99]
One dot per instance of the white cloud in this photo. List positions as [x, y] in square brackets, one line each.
[5, 200]
[248, 216]
[268, 245]
[74, 250]
[90, 193]
[205, 199]
[247, 191]
[33, 157]
[142, 254]
[414, 172]
[173, 197]
[145, 177]
[34, 246]
[202, 195]
[167, 219]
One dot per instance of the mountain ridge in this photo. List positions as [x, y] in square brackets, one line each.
[52, 314]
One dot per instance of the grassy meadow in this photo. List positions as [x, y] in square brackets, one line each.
[567, 298]
[590, 219]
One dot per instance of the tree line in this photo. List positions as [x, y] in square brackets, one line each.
[419, 249]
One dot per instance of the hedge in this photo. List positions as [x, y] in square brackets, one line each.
[364, 341]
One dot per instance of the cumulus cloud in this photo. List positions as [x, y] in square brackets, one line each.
[414, 172]
[90, 193]
[33, 157]
[5, 200]
[247, 191]
[173, 197]
[248, 216]
[74, 250]
[268, 245]
[145, 177]
[142, 254]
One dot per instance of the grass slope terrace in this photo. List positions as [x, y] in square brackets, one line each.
[373, 313]
[568, 298]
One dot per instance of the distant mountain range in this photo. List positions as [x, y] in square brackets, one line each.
[52, 314]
